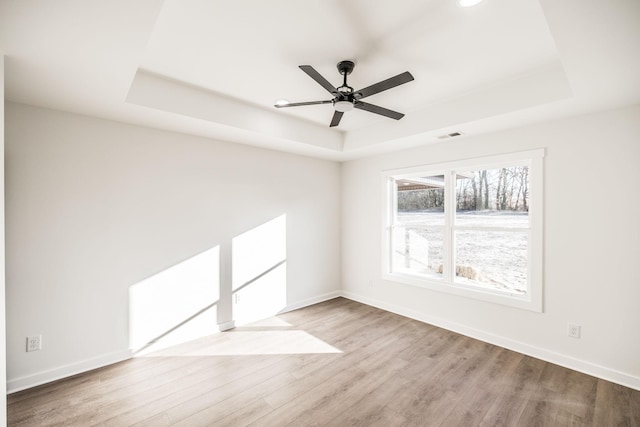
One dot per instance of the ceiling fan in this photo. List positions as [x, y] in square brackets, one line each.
[345, 98]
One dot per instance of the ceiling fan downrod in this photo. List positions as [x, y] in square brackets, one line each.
[344, 101]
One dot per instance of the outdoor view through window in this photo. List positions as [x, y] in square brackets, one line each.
[473, 221]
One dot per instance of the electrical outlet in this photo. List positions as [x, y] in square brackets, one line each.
[573, 330]
[34, 343]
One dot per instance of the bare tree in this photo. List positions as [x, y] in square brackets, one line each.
[486, 188]
[474, 186]
[524, 181]
[498, 187]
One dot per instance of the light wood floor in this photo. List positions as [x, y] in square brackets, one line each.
[338, 363]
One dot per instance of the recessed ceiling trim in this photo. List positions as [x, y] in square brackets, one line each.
[153, 91]
[545, 85]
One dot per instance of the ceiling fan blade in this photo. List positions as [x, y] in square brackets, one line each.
[311, 72]
[378, 110]
[335, 121]
[299, 104]
[403, 78]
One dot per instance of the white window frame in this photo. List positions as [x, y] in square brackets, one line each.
[532, 299]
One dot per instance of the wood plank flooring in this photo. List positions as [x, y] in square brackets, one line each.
[338, 363]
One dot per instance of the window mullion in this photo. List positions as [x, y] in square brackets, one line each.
[392, 222]
[448, 257]
[393, 208]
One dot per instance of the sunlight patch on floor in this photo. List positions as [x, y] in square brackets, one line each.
[269, 322]
[252, 343]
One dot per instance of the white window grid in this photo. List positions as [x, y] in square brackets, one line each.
[532, 299]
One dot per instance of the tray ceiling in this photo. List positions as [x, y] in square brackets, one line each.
[215, 68]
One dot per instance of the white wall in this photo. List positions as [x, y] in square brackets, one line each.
[94, 207]
[591, 244]
[3, 358]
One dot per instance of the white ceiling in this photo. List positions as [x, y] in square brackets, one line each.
[214, 68]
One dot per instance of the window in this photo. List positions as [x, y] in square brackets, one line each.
[472, 228]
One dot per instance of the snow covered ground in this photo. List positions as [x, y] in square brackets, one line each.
[494, 259]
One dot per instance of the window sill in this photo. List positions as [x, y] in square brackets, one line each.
[525, 302]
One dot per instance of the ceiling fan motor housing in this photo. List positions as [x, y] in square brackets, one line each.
[346, 67]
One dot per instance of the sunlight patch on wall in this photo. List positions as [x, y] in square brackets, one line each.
[259, 271]
[176, 305]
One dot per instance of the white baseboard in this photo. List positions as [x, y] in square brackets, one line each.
[570, 362]
[225, 326]
[43, 377]
[28, 381]
[311, 301]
